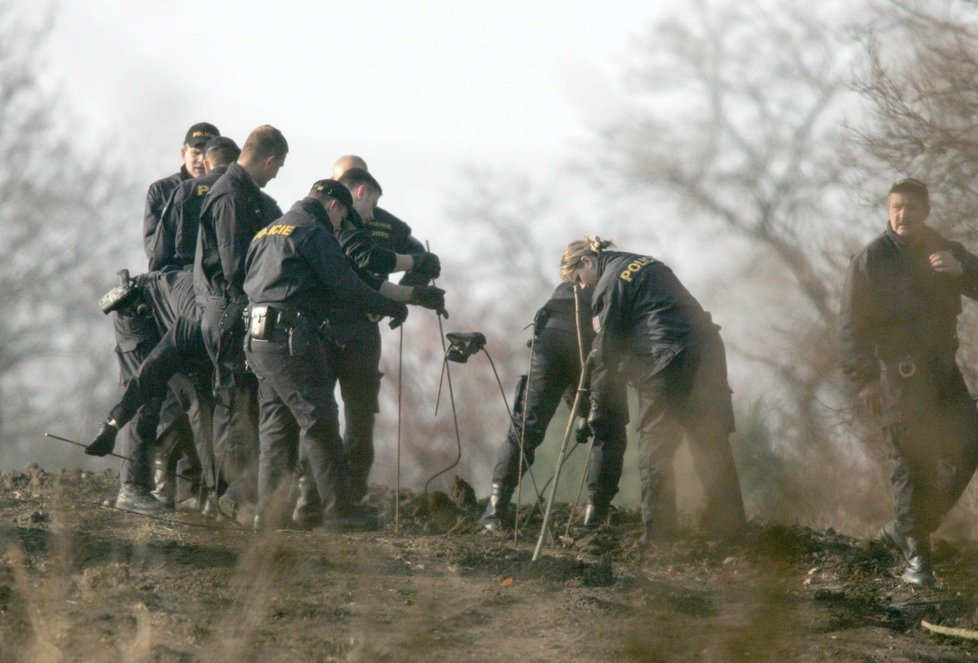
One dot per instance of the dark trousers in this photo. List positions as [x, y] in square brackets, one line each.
[555, 368]
[295, 388]
[690, 399]
[180, 351]
[354, 360]
[235, 398]
[931, 428]
[135, 338]
[356, 366]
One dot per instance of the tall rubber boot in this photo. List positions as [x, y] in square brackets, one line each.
[164, 485]
[308, 512]
[596, 511]
[915, 552]
[497, 507]
[919, 571]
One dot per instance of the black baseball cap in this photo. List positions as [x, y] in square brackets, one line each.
[200, 133]
[334, 189]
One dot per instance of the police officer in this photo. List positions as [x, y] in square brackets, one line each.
[174, 431]
[175, 242]
[388, 231]
[652, 331]
[156, 303]
[174, 246]
[898, 332]
[192, 154]
[233, 211]
[354, 351]
[357, 344]
[296, 275]
[562, 339]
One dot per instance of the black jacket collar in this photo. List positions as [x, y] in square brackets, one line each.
[315, 209]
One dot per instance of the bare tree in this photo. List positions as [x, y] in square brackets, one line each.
[57, 234]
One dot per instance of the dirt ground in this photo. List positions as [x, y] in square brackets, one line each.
[84, 582]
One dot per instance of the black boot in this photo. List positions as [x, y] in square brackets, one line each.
[308, 512]
[596, 512]
[919, 571]
[915, 552]
[163, 481]
[497, 507]
[352, 518]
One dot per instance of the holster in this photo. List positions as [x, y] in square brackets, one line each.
[261, 322]
[232, 322]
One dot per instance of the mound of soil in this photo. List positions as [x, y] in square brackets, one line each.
[80, 581]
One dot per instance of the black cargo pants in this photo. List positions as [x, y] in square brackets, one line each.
[689, 398]
[295, 390]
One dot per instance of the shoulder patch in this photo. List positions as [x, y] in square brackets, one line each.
[283, 229]
[635, 266]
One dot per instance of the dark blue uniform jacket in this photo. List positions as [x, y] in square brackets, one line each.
[297, 263]
[234, 210]
[156, 196]
[643, 313]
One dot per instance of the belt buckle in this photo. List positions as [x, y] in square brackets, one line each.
[907, 368]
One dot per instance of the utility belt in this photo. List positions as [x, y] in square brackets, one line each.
[268, 324]
[264, 320]
[340, 317]
[909, 365]
[905, 367]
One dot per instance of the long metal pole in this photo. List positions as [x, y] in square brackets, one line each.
[397, 488]
[590, 446]
[113, 454]
[560, 456]
[451, 395]
[79, 444]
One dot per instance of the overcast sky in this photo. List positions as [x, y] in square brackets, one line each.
[417, 87]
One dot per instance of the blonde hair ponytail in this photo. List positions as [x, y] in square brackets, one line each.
[591, 245]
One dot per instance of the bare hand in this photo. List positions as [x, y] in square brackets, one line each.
[869, 396]
[944, 261]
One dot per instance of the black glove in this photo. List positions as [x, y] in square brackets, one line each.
[601, 420]
[104, 442]
[584, 433]
[428, 296]
[411, 279]
[398, 314]
[427, 264]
